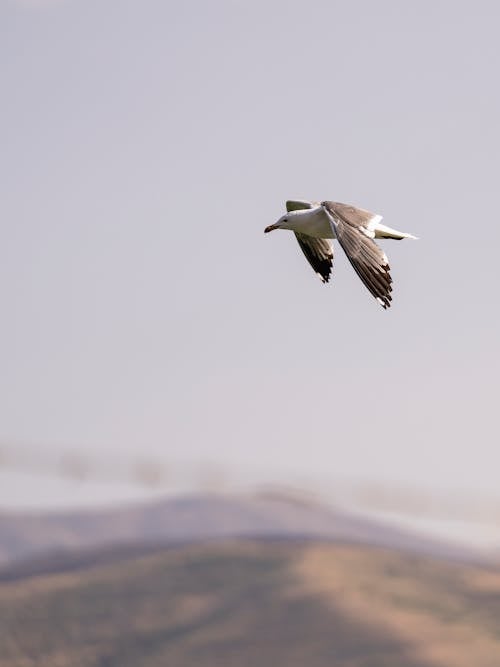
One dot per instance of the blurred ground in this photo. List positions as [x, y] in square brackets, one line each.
[253, 603]
[197, 518]
[33, 480]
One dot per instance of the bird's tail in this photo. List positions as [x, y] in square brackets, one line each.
[384, 232]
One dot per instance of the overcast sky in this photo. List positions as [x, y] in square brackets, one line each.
[146, 144]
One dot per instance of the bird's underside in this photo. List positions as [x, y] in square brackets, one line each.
[355, 230]
[318, 252]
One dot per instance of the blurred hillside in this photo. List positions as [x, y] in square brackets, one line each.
[250, 604]
[193, 518]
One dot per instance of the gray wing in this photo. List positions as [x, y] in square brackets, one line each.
[352, 214]
[299, 204]
[367, 259]
[319, 254]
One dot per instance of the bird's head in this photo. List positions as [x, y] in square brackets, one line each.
[283, 223]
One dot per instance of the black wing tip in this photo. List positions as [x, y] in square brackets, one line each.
[385, 299]
[325, 278]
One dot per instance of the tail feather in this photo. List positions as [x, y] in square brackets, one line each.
[384, 232]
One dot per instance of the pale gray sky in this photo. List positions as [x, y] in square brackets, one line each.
[146, 145]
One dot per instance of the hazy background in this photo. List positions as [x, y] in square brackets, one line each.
[144, 148]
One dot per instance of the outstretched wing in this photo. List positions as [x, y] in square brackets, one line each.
[319, 254]
[351, 227]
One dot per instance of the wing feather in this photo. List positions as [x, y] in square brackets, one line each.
[367, 259]
[319, 254]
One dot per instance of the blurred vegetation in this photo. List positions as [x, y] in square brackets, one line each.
[254, 604]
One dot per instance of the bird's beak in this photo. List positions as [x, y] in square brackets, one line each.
[270, 228]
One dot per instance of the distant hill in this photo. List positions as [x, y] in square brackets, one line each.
[199, 518]
[255, 604]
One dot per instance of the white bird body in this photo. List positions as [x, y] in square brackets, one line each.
[316, 223]
[310, 221]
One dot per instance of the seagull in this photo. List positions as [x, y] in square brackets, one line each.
[315, 223]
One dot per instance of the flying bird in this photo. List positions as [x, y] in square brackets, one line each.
[315, 223]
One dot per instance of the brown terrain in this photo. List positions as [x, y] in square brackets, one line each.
[251, 603]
